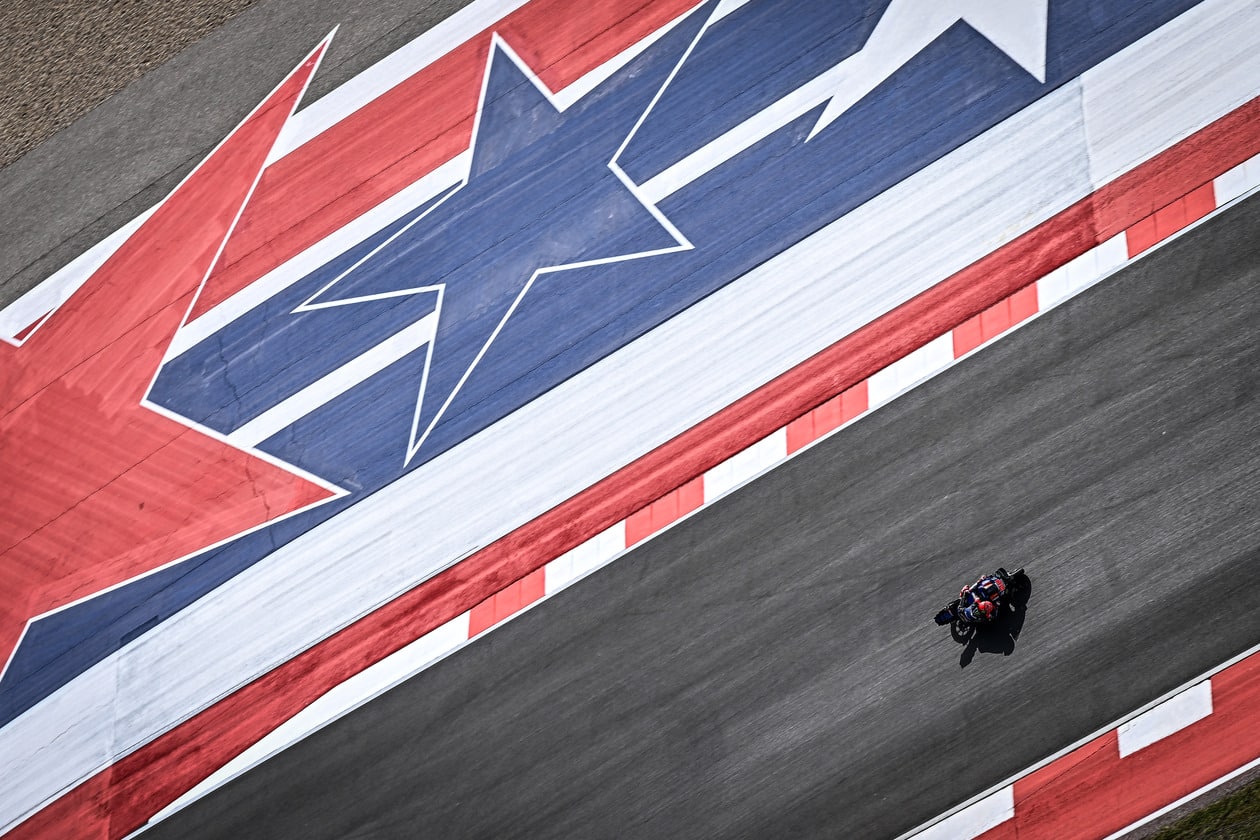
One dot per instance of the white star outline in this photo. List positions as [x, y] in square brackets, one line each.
[1019, 30]
[682, 243]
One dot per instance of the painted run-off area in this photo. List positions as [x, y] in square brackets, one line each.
[889, 383]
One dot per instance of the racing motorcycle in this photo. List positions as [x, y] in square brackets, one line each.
[1001, 584]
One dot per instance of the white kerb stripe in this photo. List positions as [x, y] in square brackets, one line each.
[1094, 263]
[1081, 272]
[975, 819]
[745, 465]
[1173, 715]
[585, 558]
[1237, 181]
[903, 374]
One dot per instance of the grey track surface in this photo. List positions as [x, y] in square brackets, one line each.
[769, 667]
[123, 156]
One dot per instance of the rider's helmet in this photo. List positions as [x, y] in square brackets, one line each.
[985, 608]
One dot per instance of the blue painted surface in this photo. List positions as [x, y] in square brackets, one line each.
[270, 354]
[486, 239]
[749, 60]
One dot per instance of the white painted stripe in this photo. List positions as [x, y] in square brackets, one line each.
[743, 466]
[1053, 288]
[293, 270]
[1145, 98]
[1173, 715]
[47, 296]
[1082, 272]
[427, 188]
[922, 230]
[334, 384]
[1241, 179]
[909, 371]
[585, 558]
[1087, 268]
[976, 818]
[904, 30]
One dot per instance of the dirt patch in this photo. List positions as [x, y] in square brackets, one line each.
[63, 57]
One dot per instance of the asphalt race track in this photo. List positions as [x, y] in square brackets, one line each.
[769, 667]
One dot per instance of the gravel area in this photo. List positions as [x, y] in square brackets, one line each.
[63, 57]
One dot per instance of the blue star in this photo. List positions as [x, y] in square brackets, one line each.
[544, 194]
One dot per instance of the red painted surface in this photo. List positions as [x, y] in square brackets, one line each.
[507, 602]
[414, 128]
[1024, 304]
[1166, 221]
[1141, 236]
[669, 508]
[995, 320]
[831, 415]
[1001, 831]
[1166, 177]
[119, 799]
[28, 329]
[100, 488]
[1170, 219]
[1200, 202]
[534, 586]
[967, 336]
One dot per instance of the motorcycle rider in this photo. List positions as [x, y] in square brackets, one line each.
[978, 612]
[980, 599]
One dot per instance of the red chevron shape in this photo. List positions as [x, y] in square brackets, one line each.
[100, 488]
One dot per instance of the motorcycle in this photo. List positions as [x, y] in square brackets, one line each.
[1011, 582]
